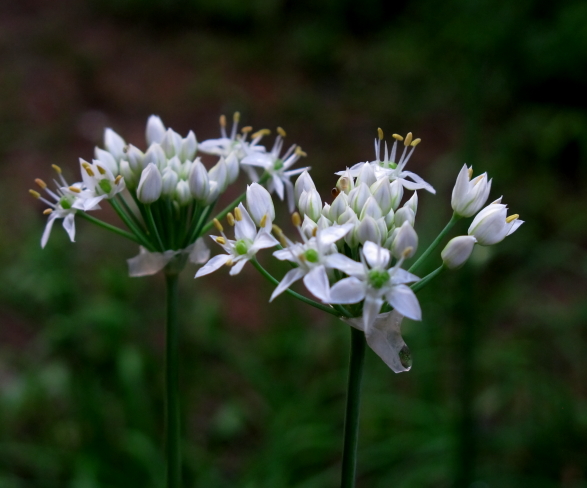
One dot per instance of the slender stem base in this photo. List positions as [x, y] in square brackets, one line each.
[353, 404]
[172, 434]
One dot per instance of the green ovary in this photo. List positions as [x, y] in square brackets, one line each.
[105, 185]
[241, 246]
[65, 203]
[378, 278]
[311, 255]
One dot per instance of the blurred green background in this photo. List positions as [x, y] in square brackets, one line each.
[497, 396]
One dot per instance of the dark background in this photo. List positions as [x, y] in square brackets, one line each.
[497, 396]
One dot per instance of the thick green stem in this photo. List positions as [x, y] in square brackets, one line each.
[353, 405]
[435, 243]
[153, 227]
[172, 429]
[427, 279]
[109, 227]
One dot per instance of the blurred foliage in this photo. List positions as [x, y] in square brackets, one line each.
[497, 396]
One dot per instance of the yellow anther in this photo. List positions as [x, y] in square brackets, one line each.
[230, 219]
[117, 179]
[380, 133]
[276, 229]
[221, 240]
[407, 251]
[238, 215]
[47, 211]
[299, 152]
[397, 137]
[282, 240]
[218, 225]
[223, 121]
[408, 139]
[296, 220]
[101, 170]
[88, 169]
[314, 231]
[281, 132]
[41, 183]
[34, 193]
[471, 172]
[415, 142]
[56, 168]
[263, 221]
[74, 189]
[229, 263]
[261, 133]
[301, 257]
[247, 129]
[511, 218]
[236, 117]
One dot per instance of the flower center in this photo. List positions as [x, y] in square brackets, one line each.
[65, 203]
[241, 246]
[311, 256]
[388, 164]
[278, 164]
[378, 278]
[105, 185]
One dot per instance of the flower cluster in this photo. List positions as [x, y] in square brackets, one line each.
[350, 253]
[172, 192]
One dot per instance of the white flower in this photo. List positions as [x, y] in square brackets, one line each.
[312, 257]
[310, 204]
[278, 168]
[150, 185]
[405, 242]
[224, 145]
[392, 169]
[199, 181]
[468, 196]
[98, 183]
[259, 203]
[457, 251]
[248, 242]
[374, 282]
[491, 225]
[66, 202]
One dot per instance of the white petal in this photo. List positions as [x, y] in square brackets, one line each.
[344, 264]
[238, 266]
[333, 234]
[263, 240]
[200, 252]
[69, 226]
[290, 277]
[316, 282]
[419, 182]
[348, 290]
[402, 276]
[278, 186]
[403, 299]
[371, 308]
[376, 256]
[215, 263]
[48, 227]
[257, 159]
[245, 228]
[386, 340]
[284, 255]
[514, 226]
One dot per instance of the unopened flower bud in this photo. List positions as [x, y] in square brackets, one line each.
[188, 147]
[174, 163]
[457, 251]
[114, 144]
[219, 174]
[150, 185]
[107, 160]
[368, 230]
[169, 182]
[155, 130]
[371, 209]
[198, 181]
[397, 193]
[381, 191]
[413, 203]
[213, 193]
[171, 143]
[155, 155]
[405, 243]
[404, 214]
[358, 197]
[135, 158]
[323, 223]
[366, 175]
[339, 205]
[303, 183]
[182, 195]
[345, 183]
[468, 196]
[130, 177]
[259, 203]
[309, 227]
[232, 167]
[491, 225]
[348, 215]
[310, 204]
[390, 219]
